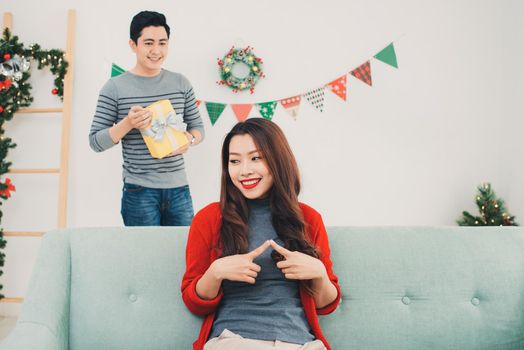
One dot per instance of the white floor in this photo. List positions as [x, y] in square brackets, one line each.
[6, 326]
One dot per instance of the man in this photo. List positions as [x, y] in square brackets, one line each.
[155, 191]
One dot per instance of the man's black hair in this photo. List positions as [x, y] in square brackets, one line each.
[146, 19]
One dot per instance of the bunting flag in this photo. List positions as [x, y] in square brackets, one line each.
[242, 110]
[363, 73]
[316, 98]
[214, 110]
[338, 87]
[116, 70]
[387, 55]
[267, 109]
[291, 104]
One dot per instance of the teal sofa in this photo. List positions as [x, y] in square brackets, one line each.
[404, 288]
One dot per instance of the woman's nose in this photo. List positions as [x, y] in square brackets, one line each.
[246, 169]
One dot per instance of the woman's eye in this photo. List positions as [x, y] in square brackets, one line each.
[256, 158]
[234, 161]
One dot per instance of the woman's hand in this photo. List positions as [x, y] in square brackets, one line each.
[239, 267]
[299, 266]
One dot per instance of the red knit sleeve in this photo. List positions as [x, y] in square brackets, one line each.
[318, 235]
[199, 256]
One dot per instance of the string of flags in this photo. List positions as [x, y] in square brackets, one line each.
[292, 104]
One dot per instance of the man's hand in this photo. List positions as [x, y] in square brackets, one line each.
[184, 148]
[139, 117]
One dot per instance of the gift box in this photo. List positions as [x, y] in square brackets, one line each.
[165, 134]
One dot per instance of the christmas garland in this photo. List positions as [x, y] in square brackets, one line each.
[245, 57]
[15, 93]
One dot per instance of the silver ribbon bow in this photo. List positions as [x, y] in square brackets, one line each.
[159, 126]
[15, 67]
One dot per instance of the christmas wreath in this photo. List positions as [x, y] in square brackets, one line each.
[244, 57]
[15, 92]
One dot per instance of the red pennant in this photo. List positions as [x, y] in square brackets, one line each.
[338, 87]
[363, 73]
[242, 110]
[291, 105]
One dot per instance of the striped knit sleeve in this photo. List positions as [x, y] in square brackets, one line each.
[106, 115]
[191, 114]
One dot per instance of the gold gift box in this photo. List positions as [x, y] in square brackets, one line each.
[165, 134]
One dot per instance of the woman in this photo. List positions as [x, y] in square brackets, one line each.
[257, 262]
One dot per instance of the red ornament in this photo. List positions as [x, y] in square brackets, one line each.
[9, 187]
[1, 109]
[7, 57]
[6, 84]
[54, 91]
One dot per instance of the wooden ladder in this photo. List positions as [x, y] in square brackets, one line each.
[66, 111]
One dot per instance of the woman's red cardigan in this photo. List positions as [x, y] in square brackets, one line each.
[201, 251]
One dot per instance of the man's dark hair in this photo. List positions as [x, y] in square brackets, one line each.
[146, 19]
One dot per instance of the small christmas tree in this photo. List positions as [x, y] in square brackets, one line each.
[492, 210]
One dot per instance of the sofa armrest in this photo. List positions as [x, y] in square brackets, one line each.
[44, 319]
[31, 336]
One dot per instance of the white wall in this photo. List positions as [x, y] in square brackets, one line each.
[408, 151]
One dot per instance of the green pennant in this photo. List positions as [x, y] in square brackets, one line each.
[267, 109]
[214, 110]
[388, 56]
[116, 70]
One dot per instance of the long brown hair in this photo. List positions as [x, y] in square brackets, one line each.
[286, 214]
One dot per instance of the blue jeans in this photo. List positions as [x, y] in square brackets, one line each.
[143, 206]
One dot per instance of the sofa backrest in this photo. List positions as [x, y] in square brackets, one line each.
[125, 289]
[403, 288]
[414, 288]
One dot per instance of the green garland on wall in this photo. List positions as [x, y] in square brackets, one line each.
[15, 93]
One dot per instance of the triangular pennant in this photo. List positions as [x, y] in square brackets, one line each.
[316, 98]
[242, 110]
[116, 70]
[214, 109]
[363, 73]
[388, 56]
[291, 105]
[267, 109]
[198, 102]
[338, 87]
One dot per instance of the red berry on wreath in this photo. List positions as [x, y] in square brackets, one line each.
[1, 109]
[7, 57]
[54, 91]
